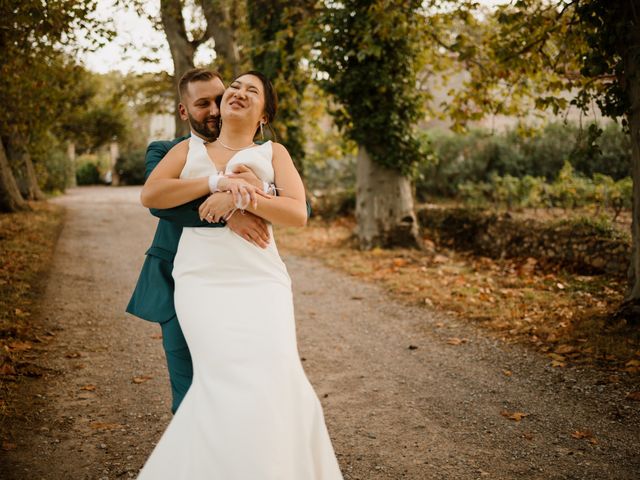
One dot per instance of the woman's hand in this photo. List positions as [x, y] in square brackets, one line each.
[216, 207]
[245, 173]
[243, 193]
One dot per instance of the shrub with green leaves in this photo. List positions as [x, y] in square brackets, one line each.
[130, 167]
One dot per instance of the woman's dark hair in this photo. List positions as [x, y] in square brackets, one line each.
[270, 98]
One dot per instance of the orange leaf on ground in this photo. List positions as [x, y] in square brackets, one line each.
[456, 341]
[104, 426]
[7, 369]
[507, 372]
[516, 416]
[6, 445]
[18, 346]
[586, 434]
[88, 388]
[633, 396]
[141, 379]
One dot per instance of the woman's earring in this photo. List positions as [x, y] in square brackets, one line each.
[261, 131]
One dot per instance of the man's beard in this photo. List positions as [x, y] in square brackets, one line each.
[208, 131]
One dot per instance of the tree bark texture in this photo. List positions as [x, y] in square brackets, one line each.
[182, 51]
[630, 53]
[10, 198]
[17, 152]
[384, 206]
[219, 27]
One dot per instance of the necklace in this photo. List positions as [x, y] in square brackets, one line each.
[235, 149]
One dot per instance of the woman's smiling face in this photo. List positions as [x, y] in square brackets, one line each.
[244, 98]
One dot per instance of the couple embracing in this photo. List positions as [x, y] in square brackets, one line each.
[213, 279]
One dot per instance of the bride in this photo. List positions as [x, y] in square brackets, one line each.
[250, 413]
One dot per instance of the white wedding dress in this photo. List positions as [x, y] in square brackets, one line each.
[251, 413]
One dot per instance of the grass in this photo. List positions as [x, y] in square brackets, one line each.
[27, 242]
[562, 315]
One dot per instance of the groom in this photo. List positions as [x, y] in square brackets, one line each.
[200, 92]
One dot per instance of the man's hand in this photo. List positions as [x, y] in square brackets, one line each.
[217, 206]
[250, 227]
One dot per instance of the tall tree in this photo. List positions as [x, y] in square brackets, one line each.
[369, 60]
[279, 42]
[220, 16]
[531, 53]
[31, 37]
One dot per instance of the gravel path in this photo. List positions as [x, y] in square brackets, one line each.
[400, 401]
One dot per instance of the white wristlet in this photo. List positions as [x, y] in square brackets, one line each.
[213, 181]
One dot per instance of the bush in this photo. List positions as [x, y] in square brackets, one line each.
[54, 171]
[88, 174]
[130, 167]
[478, 155]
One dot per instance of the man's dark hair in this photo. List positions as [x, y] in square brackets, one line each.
[196, 75]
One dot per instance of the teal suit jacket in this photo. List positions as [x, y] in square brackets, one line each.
[152, 298]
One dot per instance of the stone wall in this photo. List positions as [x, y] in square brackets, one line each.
[583, 246]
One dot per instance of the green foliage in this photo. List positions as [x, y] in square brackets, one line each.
[280, 40]
[368, 61]
[477, 155]
[88, 174]
[569, 190]
[131, 168]
[90, 168]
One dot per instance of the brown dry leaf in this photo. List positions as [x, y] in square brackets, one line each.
[73, 355]
[564, 348]
[635, 396]
[104, 426]
[88, 388]
[558, 364]
[86, 395]
[632, 363]
[141, 379]
[157, 336]
[556, 357]
[508, 373]
[516, 416]
[440, 259]
[18, 346]
[7, 369]
[456, 341]
[527, 435]
[6, 445]
[582, 434]
[399, 262]
[21, 313]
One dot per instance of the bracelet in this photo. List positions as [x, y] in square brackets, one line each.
[213, 182]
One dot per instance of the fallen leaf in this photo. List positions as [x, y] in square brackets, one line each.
[508, 373]
[516, 416]
[579, 434]
[141, 379]
[73, 355]
[18, 346]
[157, 336]
[7, 369]
[632, 363]
[557, 363]
[6, 445]
[562, 349]
[88, 388]
[104, 426]
[527, 435]
[635, 396]
[555, 356]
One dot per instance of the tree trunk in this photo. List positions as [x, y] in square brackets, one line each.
[182, 51]
[10, 198]
[384, 206]
[630, 308]
[219, 27]
[71, 154]
[24, 172]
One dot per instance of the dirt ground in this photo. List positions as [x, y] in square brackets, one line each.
[402, 400]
